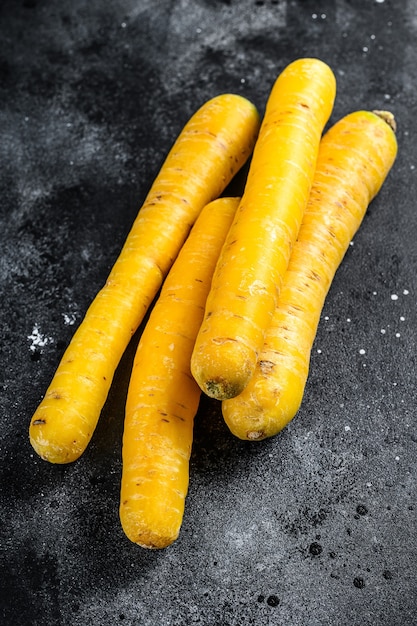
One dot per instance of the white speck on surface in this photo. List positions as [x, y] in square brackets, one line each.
[38, 340]
[365, 49]
[394, 296]
[69, 318]
[383, 331]
[402, 318]
[379, 1]
[318, 351]
[348, 319]
[362, 351]
[123, 24]
[406, 292]
[397, 458]
[347, 428]
[398, 335]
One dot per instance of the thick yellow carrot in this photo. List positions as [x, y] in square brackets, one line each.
[211, 148]
[163, 396]
[255, 256]
[355, 157]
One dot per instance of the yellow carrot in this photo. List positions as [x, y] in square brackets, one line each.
[211, 148]
[355, 157]
[255, 256]
[163, 396]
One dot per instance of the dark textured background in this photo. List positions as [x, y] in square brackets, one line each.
[315, 527]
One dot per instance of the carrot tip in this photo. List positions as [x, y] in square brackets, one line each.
[221, 389]
[388, 117]
[255, 435]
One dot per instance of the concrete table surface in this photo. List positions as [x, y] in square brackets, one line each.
[316, 526]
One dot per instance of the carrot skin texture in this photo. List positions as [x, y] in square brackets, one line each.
[212, 147]
[255, 256]
[355, 157]
[163, 397]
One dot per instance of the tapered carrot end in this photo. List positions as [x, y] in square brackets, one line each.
[54, 437]
[234, 360]
[142, 528]
[145, 538]
[264, 408]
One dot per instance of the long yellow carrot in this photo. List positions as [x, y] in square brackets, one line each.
[163, 396]
[255, 256]
[213, 145]
[355, 157]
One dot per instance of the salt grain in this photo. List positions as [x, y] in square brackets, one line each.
[362, 351]
[394, 296]
[38, 339]
[69, 319]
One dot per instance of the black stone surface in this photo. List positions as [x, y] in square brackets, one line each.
[315, 527]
